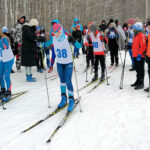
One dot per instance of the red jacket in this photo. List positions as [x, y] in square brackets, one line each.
[139, 45]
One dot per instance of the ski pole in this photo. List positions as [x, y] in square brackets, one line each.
[46, 83]
[4, 108]
[123, 68]
[77, 88]
[76, 80]
[106, 71]
[149, 88]
[86, 74]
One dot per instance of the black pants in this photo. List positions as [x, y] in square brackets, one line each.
[139, 67]
[39, 60]
[89, 56]
[101, 59]
[114, 56]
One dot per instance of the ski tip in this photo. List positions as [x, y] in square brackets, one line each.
[48, 141]
[23, 131]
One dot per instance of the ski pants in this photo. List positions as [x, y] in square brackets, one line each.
[114, 56]
[5, 70]
[39, 59]
[101, 59]
[89, 56]
[76, 52]
[65, 75]
[139, 67]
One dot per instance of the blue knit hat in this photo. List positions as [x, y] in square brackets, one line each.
[138, 26]
[4, 29]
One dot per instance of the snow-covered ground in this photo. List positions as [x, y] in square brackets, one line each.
[112, 119]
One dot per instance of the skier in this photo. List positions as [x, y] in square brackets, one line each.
[62, 51]
[89, 47]
[148, 53]
[138, 49]
[98, 50]
[76, 22]
[113, 36]
[28, 57]
[11, 39]
[77, 34]
[130, 40]
[6, 63]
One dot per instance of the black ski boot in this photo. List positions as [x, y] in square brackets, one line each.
[102, 77]
[95, 77]
[134, 84]
[2, 93]
[146, 90]
[140, 86]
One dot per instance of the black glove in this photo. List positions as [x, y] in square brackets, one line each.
[71, 39]
[147, 59]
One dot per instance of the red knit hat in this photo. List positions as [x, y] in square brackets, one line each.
[131, 21]
[56, 28]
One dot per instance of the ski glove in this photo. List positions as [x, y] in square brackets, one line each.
[50, 69]
[138, 58]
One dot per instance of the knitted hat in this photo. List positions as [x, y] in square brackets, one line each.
[56, 28]
[138, 26]
[131, 21]
[34, 22]
[4, 29]
[93, 27]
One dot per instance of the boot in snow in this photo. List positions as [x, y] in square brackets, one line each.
[95, 77]
[71, 104]
[2, 93]
[30, 79]
[63, 100]
[7, 96]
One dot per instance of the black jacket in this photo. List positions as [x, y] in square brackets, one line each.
[28, 57]
[77, 35]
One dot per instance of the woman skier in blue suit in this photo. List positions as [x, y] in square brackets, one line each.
[6, 63]
[62, 51]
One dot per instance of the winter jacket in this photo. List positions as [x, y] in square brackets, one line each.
[148, 46]
[6, 53]
[77, 35]
[28, 46]
[122, 37]
[139, 45]
[102, 27]
[97, 43]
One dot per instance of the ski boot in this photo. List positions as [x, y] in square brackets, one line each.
[40, 70]
[71, 104]
[134, 84]
[95, 77]
[146, 90]
[2, 93]
[7, 96]
[102, 77]
[63, 101]
[140, 86]
[30, 79]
